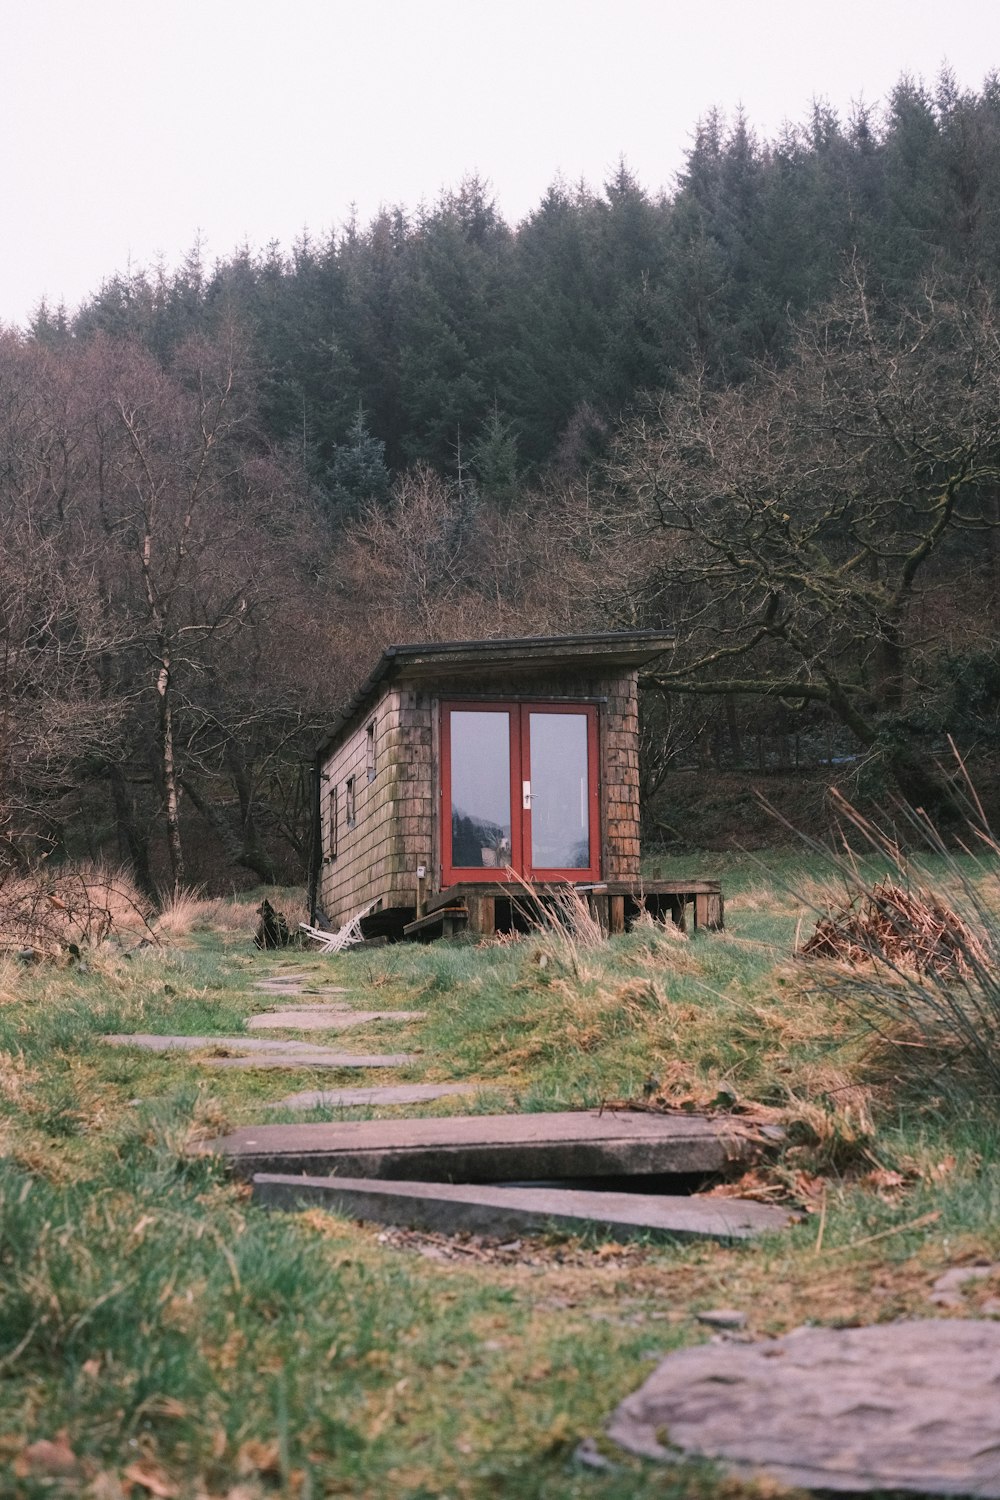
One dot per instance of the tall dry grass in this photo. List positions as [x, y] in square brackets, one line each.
[563, 921]
[192, 911]
[83, 905]
[919, 962]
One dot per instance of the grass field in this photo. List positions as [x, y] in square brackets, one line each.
[161, 1336]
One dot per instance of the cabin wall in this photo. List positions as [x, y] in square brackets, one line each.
[395, 827]
[620, 777]
[376, 859]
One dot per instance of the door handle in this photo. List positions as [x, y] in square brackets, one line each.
[526, 795]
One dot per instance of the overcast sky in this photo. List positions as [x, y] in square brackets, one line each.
[132, 127]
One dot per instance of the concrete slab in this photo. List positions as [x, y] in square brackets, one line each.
[493, 1148]
[908, 1406]
[326, 1018]
[518, 1210]
[257, 1052]
[389, 1093]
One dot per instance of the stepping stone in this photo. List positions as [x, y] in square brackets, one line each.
[390, 1093]
[154, 1043]
[317, 1057]
[296, 984]
[910, 1406]
[450, 1208]
[948, 1290]
[493, 1148]
[258, 1052]
[326, 1018]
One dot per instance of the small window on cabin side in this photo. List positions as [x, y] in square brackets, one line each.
[350, 813]
[371, 751]
[331, 827]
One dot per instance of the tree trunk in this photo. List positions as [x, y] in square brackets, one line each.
[133, 840]
[251, 857]
[924, 786]
[171, 792]
[254, 855]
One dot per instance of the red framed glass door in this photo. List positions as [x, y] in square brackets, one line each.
[519, 792]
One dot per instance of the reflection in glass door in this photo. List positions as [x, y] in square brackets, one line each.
[560, 791]
[481, 817]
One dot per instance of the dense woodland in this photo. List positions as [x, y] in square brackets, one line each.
[761, 409]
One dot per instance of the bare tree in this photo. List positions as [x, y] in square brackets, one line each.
[801, 533]
[154, 557]
[54, 626]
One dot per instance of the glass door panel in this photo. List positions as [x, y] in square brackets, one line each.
[560, 791]
[481, 818]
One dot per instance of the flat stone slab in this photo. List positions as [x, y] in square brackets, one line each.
[910, 1406]
[493, 1148]
[389, 1093]
[257, 1052]
[316, 1057]
[518, 1210]
[327, 1018]
[948, 1290]
[297, 984]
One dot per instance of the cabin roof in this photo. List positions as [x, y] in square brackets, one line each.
[428, 661]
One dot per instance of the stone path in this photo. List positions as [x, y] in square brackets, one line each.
[480, 1173]
[520, 1210]
[493, 1148]
[258, 1052]
[389, 1093]
[326, 1018]
[316, 1057]
[910, 1406]
[297, 984]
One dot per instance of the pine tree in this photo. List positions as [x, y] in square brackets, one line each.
[357, 474]
[493, 460]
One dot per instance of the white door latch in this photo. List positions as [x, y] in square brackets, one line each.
[526, 795]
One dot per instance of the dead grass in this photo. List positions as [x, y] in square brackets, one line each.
[10, 973]
[912, 929]
[191, 911]
[83, 905]
[16, 1077]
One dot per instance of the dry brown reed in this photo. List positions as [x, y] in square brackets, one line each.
[923, 976]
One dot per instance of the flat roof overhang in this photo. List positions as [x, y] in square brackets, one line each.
[424, 664]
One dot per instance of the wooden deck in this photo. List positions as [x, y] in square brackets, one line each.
[485, 909]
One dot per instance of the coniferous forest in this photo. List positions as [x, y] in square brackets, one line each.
[760, 408]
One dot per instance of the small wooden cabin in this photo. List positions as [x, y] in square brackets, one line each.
[461, 770]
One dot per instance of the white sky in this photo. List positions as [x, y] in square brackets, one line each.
[130, 127]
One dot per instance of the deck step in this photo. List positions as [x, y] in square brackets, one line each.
[446, 917]
[495, 1148]
[521, 1210]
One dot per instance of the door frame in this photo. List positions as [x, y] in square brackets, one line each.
[519, 711]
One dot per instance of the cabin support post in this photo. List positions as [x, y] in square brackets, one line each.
[616, 914]
[599, 909]
[482, 915]
[714, 913]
